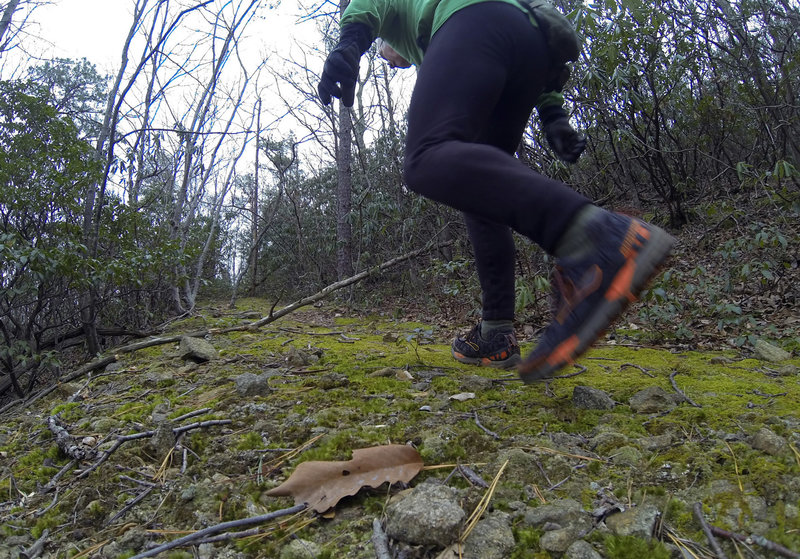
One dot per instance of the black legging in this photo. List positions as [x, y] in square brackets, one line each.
[482, 73]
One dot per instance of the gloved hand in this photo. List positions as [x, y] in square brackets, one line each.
[564, 140]
[340, 73]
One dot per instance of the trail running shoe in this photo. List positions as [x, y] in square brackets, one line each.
[591, 292]
[501, 350]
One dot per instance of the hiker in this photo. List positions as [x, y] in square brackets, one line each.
[482, 67]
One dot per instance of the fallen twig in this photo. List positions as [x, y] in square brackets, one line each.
[470, 475]
[130, 504]
[192, 538]
[698, 514]
[380, 540]
[324, 292]
[760, 540]
[50, 485]
[121, 439]
[66, 442]
[680, 392]
[645, 371]
[36, 549]
[485, 430]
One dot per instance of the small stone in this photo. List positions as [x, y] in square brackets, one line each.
[768, 352]
[250, 315]
[197, 349]
[333, 380]
[491, 538]
[637, 521]
[582, 550]
[475, 383]
[588, 398]
[788, 370]
[249, 384]
[652, 399]
[627, 455]
[656, 442]
[767, 441]
[557, 541]
[720, 360]
[429, 515]
[300, 549]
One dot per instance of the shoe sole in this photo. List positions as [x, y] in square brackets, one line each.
[624, 289]
[509, 363]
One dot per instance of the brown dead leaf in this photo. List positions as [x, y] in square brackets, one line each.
[322, 484]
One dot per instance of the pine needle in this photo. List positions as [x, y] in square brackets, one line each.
[482, 505]
[796, 453]
[735, 467]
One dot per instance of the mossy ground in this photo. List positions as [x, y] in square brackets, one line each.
[322, 363]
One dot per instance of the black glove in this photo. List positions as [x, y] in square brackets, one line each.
[564, 140]
[340, 73]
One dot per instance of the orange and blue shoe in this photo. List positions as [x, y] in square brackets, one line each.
[591, 292]
[501, 350]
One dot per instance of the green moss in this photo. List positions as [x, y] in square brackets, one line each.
[250, 441]
[527, 544]
[631, 547]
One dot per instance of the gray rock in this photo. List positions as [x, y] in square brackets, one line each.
[249, 384]
[638, 521]
[652, 399]
[627, 455]
[163, 440]
[197, 349]
[568, 518]
[788, 370]
[656, 442]
[430, 515]
[608, 442]
[475, 383]
[250, 315]
[491, 538]
[333, 380]
[768, 352]
[588, 398]
[558, 541]
[300, 549]
[581, 550]
[767, 441]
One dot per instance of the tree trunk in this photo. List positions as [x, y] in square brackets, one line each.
[344, 189]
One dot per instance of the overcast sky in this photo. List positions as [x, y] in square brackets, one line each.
[96, 29]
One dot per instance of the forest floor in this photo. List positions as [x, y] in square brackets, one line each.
[163, 446]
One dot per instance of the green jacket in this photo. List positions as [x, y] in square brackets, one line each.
[409, 25]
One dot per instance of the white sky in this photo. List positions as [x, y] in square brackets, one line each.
[96, 29]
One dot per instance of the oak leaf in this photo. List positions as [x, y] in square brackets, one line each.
[322, 484]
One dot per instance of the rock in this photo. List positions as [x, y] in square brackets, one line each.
[475, 383]
[768, 352]
[652, 399]
[197, 349]
[767, 441]
[588, 398]
[297, 358]
[581, 550]
[558, 541]
[608, 442]
[300, 549]
[568, 513]
[627, 455]
[638, 521]
[429, 515]
[163, 440]
[250, 315]
[656, 442]
[333, 380]
[788, 370]
[249, 384]
[491, 538]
